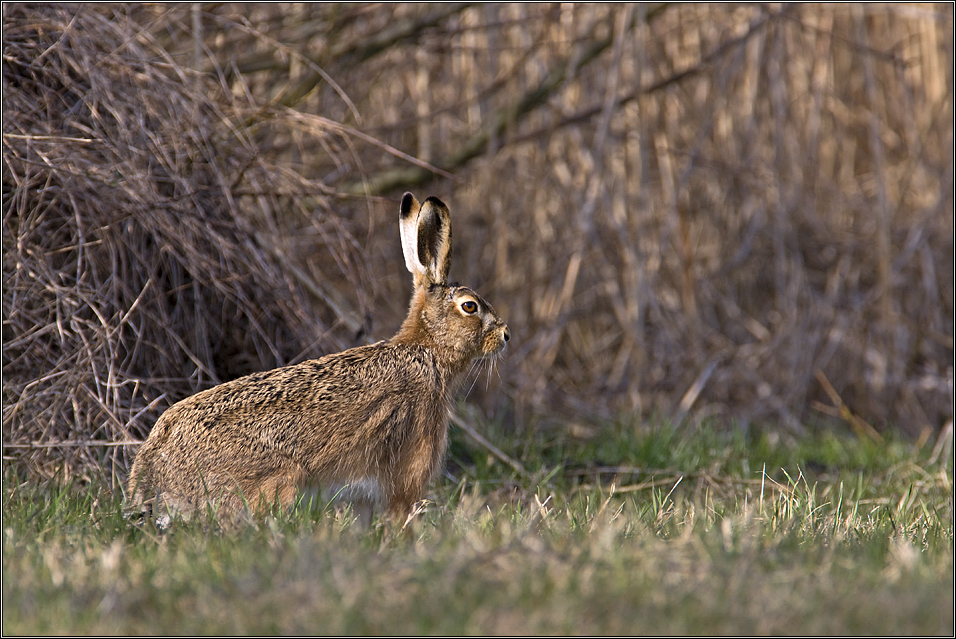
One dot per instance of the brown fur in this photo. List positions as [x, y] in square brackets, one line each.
[371, 421]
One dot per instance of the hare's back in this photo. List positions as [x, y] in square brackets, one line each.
[309, 408]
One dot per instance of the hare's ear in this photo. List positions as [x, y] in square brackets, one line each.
[408, 228]
[434, 241]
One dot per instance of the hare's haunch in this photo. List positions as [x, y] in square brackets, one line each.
[369, 424]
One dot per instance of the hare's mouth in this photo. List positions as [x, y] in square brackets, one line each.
[494, 345]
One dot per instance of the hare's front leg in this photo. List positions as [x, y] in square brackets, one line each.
[413, 477]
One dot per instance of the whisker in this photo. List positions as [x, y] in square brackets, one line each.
[474, 365]
[490, 368]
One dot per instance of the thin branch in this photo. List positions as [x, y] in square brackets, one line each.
[478, 143]
[409, 177]
[487, 445]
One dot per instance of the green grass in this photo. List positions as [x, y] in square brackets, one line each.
[642, 530]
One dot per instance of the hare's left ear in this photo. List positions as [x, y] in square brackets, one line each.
[408, 228]
[434, 241]
[426, 239]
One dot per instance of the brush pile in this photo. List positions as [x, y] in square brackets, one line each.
[140, 258]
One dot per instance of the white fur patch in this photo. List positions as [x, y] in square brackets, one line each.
[365, 489]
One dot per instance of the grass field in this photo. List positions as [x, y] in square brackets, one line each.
[646, 531]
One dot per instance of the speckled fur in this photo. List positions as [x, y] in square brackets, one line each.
[371, 422]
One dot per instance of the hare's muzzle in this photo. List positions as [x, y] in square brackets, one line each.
[497, 339]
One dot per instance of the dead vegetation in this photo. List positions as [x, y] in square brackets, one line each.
[690, 210]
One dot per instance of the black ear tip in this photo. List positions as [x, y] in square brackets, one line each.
[434, 200]
[407, 201]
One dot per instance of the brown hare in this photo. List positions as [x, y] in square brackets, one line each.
[369, 424]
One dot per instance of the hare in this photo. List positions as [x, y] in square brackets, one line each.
[369, 424]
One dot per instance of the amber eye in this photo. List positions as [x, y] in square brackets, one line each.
[469, 307]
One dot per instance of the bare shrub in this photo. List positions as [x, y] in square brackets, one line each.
[141, 258]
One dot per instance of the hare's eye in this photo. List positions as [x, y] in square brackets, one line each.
[469, 307]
